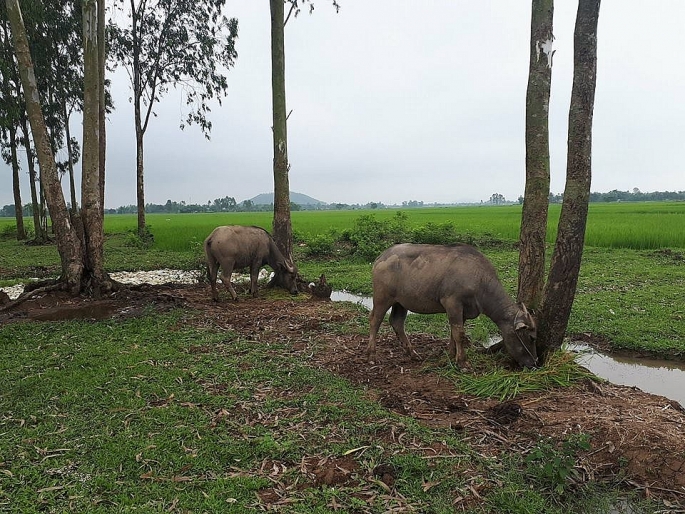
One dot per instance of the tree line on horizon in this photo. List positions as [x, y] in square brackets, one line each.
[229, 204]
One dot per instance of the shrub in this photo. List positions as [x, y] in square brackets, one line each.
[320, 245]
[371, 236]
[137, 241]
[435, 233]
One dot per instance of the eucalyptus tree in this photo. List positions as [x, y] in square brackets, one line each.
[536, 199]
[9, 108]
[560, 289]
[179, 43]
[53, 31]
[282, 225]
[79, 245]
[68, 243]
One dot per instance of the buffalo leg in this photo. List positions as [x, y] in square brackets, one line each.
[375, 319]
[457, 335]
[226, 272]
[212, 269]
[398, 315]
[254, 275]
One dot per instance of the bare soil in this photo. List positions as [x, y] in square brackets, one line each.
[634, 435]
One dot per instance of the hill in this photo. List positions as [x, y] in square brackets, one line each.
[298, 198]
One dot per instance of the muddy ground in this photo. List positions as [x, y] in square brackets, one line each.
[634, 435]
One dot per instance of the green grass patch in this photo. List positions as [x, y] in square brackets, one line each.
[502, 384]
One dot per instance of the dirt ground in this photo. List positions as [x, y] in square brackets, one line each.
[634, 435]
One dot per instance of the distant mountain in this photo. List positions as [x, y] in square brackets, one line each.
[298, 198]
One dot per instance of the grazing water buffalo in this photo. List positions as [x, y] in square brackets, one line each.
[455, 279]
[236, 247]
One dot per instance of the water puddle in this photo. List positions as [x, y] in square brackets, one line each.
[656, 376]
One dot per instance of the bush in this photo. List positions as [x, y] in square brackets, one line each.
[137, 241]
[320, 245]
[370, 236]
[435, 233]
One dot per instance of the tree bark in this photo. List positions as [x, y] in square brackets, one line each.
[70, 162]
[18, 207]
[536, 199]
[67, 241]
[91, 207]
[561, 285]
[39, 236]
[282, 226]
[138, 120]
[102, 109]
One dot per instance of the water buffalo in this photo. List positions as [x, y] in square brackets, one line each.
[236, 247]
[455, 279]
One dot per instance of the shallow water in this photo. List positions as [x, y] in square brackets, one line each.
[656, 376]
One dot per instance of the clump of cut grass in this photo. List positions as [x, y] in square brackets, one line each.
[560, 370]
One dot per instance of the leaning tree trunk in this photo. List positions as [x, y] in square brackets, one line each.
[91, 208]
[68, 244]
[18, 207]
[282, 226]
[536, 200]
[561, 285]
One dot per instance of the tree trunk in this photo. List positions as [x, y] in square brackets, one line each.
[91, 208]
[18, 207]
[561, 285]
[102, 112]
[70, 162]
[282, 227]
[39, 235]
[68, 244]
[138, 120]
[536, 199]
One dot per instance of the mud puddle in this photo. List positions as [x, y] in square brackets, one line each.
[656, 376]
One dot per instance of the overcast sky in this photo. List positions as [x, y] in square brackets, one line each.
[397, 100]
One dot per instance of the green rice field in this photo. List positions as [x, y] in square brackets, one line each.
[637, 226]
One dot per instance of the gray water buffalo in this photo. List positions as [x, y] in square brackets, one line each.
[235, 247]
[455, 279]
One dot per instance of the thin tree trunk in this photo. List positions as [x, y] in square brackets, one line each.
[282, 226]
[91, 208]
[102, 113]
[70, 163]
[536, 199]
[39, 235]
[68, 244]
[18, 212]
[561, 285]
[138, 120]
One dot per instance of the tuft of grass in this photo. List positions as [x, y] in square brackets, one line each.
[560, 370]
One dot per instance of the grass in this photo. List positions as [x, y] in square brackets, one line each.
[560, 371]
[626, 295]
[152, 415]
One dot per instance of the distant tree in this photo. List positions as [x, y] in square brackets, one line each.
[559, 291]
[497, 199]
[179, 43]
[536, 199]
